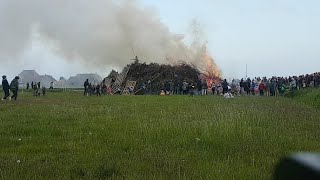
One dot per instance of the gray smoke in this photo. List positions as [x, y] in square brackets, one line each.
[95, 33]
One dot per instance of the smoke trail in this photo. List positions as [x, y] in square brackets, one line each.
[98, 33]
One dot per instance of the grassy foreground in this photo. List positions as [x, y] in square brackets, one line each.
[68, 136]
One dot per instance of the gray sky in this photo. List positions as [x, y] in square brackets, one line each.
[274, 37]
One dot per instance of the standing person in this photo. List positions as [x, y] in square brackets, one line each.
[245, 87]
[51, 85]
[28, 85]
[98, 90]
[248, 86]
[185, 87]
[86, 87]
[171, 87]
[213, 88]
[143, 88]
[14, 86]
[262, 88]
[242, 87]
[192, 89]
[32, 84]
[39, 85]
[224, 86]
[90, 89]
[253, 85]
[176, 86]
[167, 87]
[267, 83]
[204, 88]
[93, 89]
[44, 91]
[199, 87]
[293, 84]
[272, 88]
[218, 89]
[35, 89]
[6, 88]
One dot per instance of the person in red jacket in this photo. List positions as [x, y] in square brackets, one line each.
[262, 87]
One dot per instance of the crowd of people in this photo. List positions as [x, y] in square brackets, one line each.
[37, 89]
[93, 89]
[274, 86]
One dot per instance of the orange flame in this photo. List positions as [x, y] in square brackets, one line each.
[210, 72]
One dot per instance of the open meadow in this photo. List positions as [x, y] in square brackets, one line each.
[68, 136]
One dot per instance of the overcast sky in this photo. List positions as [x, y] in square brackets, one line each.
[273, 37]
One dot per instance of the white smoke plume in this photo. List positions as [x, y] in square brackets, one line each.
[95, 33]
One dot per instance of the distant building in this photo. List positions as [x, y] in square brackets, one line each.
[28, 76]
[46, 80]
[78, 80]
[61, 83]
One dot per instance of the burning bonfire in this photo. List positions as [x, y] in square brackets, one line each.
[210, 73]
[154, 76]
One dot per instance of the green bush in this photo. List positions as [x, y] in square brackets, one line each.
[309, 96]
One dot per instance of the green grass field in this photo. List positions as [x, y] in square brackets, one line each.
[68, 136]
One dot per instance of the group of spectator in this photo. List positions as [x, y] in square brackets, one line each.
[93, 89]
[273, 86]
[276, 85]
[36, 87]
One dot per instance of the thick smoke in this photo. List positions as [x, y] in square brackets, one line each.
[96, 33]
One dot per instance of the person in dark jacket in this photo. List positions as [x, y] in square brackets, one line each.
[86, 87]
[14, 87]
[199, 87]
[242, 88]
[167, 87]
[225, 86]
[98, 90]
[5, 87]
